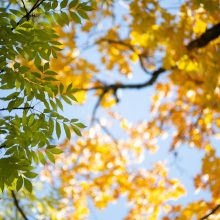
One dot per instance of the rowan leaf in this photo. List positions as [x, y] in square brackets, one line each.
[67, 130]
[28, 185]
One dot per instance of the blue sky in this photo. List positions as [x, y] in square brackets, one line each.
[134, 105]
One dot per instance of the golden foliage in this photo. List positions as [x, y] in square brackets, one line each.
[185, 106]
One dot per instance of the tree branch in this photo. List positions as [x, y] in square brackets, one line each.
[2, 146]
[24, 6]
[210, 34]
[202, 41]
[105, 129]
[19, 108]
[97, 105]
[211, 212]
[27, 15]
[120, 42]
[16, 203]
[115, 87]
[8, 6]
[129, 46]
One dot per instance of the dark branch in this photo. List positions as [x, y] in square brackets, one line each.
[130, 47]
[115, 87]
[27, 15]
[202, 41]
[141, 59]
[120, 42]
[8, 6]
[19, 108]
[107, 131]
[97, 105]
[16, 203]
[211, 212]
[24, 6]
[2, 146]
[205, 38]
[210, 34]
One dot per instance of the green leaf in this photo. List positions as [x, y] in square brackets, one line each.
[23, 69]
[54, 4]
[31, 120]
[63, 4]
[50, 156]
[11, 96]
[26, 25]
[46, 66]
[50, 79]
[47, 6]
[72, 97]
[28, 185]
[55, 151]
[75, 17]
[87, 8]
[30, 174]
[61, 88]
[83, 14]
[10, 151]
[58, 130]
[80, 125]
[59, 103]
[37, 61]
[67, 131]
[15, 103]
[26, 168]
[50, 72]
[44, 55]
[34, 156]
[76, 130]
[19, 183]
[54, 54]
[73, 4]
[51, 125]
[36, 74]
[53, 105]
[51, 146]
[2, 185]
[56, 17]
[74, 120]
[64, 18]
[66, 99]
[69, 88]
[41, 157]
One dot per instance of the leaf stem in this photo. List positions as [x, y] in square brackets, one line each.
[16, 203]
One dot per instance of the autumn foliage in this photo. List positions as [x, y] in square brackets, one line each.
[98, 51]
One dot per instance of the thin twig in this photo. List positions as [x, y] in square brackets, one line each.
[24, 6]
[211, 212]
[141, 57]
[19, 108]
[27, 15]
[130, 47]
[2, 146]
[208, 36]
[107, 131]
[16, 203]
[120, 42]
[8, 6]
[117, 86]
[96, 106]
